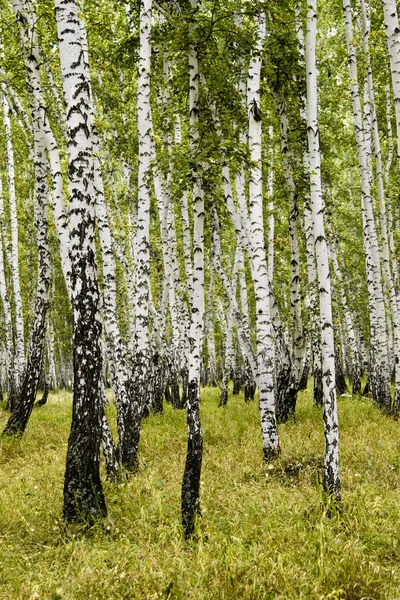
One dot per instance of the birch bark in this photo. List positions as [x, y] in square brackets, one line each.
[265, 364]
[139, 388]
[34, 364]
[387, 267]
[19, 362]
[192, 473]
[379, 362]
[331, 430]
[11, 390]
[83, 495]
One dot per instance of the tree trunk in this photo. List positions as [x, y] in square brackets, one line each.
[19, 361]
[83, 494]
[29, 385]
[191, 477]
[379, 363]
[265, 363]
[331, 430]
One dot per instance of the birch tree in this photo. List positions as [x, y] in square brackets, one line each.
[265, 365]
[331, 430]
[29, 384]
[83, 494]
[379, 361]
[192, 472]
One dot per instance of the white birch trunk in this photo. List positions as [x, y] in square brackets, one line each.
[191, 477]
[295, 288]
[331, 430]
[35, 356]
[387, 186]
[393, 42]
[387, 270]
[352, 348]
[379, 361]
[265, 363]
[11, 390]
[19, 363]
[145, 149]
[83, 495]
[270, 206]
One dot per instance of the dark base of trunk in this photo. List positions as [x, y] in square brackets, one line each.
[396, 405]
[271, 454]
[318, 388]
[159, 381]
[365, 391]
[129, 445]
[341, 384]
[304, 377]
[223, 398]
[340, 381]
[11, 397]
[168, 395]
[237, 382]
[286, 408]
[331, 487]
[249, 391]
[177, 401]
[22, 411]
[185, 384]
[356, 385]
[191, 477]
[380, 391]
[83, 494]
[110, 453]
[157, 404]
[45, 397]
[286, 397]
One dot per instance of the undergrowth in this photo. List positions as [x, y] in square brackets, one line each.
[265, 531]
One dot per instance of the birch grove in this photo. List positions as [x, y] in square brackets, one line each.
[197, 195]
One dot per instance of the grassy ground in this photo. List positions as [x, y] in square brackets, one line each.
[265, 532]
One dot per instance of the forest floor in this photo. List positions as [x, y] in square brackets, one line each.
[265, 531]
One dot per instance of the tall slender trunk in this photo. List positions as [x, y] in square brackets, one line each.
[387, 186]
[35, 357]
[387, 268]
[19, 362]
[379, 361]
[352, 348]
[391, 21]
[295, 288]
[140, 388]
[83, 494]
[270, 206]
[11, 390]
[312, 295]
[192, 473]
[331, 430]
[265, 363]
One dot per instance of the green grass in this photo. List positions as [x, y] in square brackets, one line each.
[265, 532]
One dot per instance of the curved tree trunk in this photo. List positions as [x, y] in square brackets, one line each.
[34, 364]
